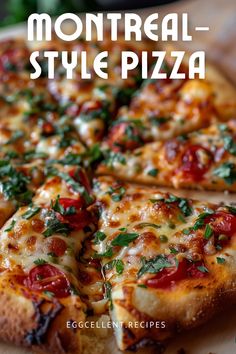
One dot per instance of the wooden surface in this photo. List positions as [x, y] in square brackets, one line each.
[217, 336]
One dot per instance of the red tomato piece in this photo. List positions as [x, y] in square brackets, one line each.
[76, 221]
[222, 223]
[69, 202]
[80, 218]
[124, 136]
[48, 278]
[169, 276]
[196, 161]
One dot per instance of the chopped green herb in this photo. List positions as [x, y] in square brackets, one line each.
[32, 211]
[11, 226]
[154, 265]
[98, 237]
[208, 232]
[220, 260]
[203, 269]
[153, 172]
[116, 193]
[124, 239]
[227, 171]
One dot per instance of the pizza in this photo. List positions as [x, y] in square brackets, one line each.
[75, 244]
[204, 159]
[39, 271]
[167, 261]
[163, 109]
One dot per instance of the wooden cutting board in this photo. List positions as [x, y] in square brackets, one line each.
[218, 336]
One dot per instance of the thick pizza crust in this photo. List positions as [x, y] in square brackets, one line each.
[38, 323]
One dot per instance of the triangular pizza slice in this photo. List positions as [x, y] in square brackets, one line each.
[169, 262]
[39, 246]
[166, 108]
[205, 159]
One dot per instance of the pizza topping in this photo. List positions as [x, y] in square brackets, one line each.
[222, 223]
[14, 184]
[56, 246]
[220, 260]
[46, 277]
[227, 171]
[167, 271]
[124, 136]
[99, 236]
[32, 211]
[196, 161]
[116, 193]
[229, 144]
[124, 239]
[76, 180]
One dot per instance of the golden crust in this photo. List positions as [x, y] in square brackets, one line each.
[37, 322]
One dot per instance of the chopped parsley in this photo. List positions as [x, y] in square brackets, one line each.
[112, 157]
[227, 171]
[74, 184]
[11, 226]
[32, 211]
[14, 183]
[229, 144]
[124, 239]
[55, 226]
[153, 172]
[116, 193]
[154, 265]
[56, 206]
[203, 269]
[117, 263]
[220, 260]
[99, 236]
[208, 232]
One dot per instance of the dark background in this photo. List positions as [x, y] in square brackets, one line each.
[14, 11]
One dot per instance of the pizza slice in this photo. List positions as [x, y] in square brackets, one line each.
[205, 159]
[168, 262]
[93, 102]
[39, 271]
[166, 108]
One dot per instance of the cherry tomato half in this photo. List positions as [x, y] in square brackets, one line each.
[48, 278]
[222, 223]
[196, 161]
[168, 276]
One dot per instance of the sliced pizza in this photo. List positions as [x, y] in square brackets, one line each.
[168, 262]
[205, 159]
[166, 108]
[39, 269]
[93, 102]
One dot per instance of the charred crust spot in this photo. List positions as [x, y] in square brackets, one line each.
[45, 312]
